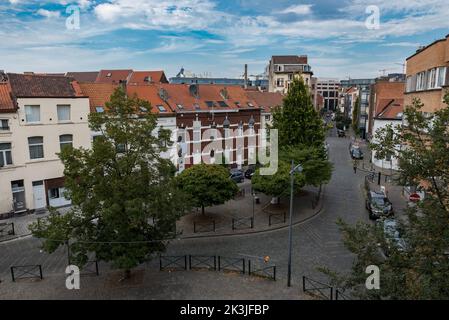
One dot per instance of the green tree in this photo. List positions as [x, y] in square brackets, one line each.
[297, 121]
[123, 193]
[421, 270]
[316, 171]
[207, 185]
[301, 134]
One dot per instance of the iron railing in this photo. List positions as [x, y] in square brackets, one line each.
[242, 223]
[317, 288]
[26, 272]
[277, 218]
[202, 262]
[208, 226]
[231, 264]
[172, 263]
[268, 272]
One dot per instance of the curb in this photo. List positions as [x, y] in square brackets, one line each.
[260, 231]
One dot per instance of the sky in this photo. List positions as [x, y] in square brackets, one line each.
[217, 37]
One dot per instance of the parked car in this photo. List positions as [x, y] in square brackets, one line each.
[250, 171]
[392, 236]
[341, 133]
[356, 153]
[237, 175]
[378, 205]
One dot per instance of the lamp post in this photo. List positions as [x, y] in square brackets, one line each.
[294, 169]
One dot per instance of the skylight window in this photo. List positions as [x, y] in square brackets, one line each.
[250, 105]
[143, 109]
[196, 106]
[109, 75]
[210, 104]
[180, 106]
[161, 108]
[237, 104]
[222, 104]
[99, 109]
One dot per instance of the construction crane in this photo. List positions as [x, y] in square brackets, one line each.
[384, 71]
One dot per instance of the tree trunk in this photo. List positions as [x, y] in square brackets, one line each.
[202, 210]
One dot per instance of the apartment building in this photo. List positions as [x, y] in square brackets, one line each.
[363, 87]
[283, 69]
[213, 122]
[328, 89]
[428, 75]
[40, 115]
[386, 108]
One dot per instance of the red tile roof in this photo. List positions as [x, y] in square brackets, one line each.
[139, 77]
[390, 109]
[112, 76]
[98, 93]
[6, 102]
[150, 93]
[89, 76]
[42, 86]
[266, 100]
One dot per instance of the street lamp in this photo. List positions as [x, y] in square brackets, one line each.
[294, 169]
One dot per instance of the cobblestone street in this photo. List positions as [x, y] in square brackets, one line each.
[316, 243]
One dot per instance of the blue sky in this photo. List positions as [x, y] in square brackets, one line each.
[216, 37]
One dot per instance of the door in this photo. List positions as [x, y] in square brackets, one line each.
[18, 196]
[39, 195]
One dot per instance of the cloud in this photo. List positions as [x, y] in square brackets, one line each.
[48, 13]
[301, 9]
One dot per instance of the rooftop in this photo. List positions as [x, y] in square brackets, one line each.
[289, 59]
[42, 86]
[6, 102]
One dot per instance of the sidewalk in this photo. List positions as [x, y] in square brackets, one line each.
[195, 225]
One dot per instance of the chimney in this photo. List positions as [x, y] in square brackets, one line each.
[194, 90]
[246, 76]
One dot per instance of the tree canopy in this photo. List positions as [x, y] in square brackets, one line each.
[297, 121]
[124, 199]
[301, 139]
[207, 185]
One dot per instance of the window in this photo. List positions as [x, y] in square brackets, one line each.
[32, 114]
[63, 112]
[99, 109]
[408, 87]
[222, 104]
[5, 154]
[432, 81]
[161, 108]
[120, 148]
[210, 104]
[280, 82]
[4, 124]
[66, 141]
[180, 106]
[250, 105]
[441, 76]
[143, 109]
[420, 81]
[196, 106]
[36, 145]
[53, 193]
[267, 118]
